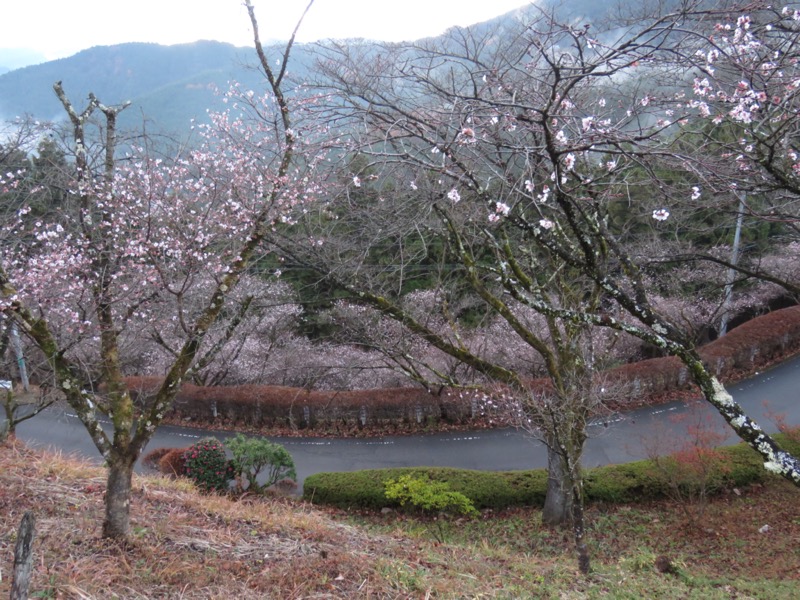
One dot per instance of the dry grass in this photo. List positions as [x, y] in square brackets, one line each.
[185, 545]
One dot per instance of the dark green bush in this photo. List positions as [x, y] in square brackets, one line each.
[622, 483]
[486, 489]
[253, 456]
[206, 463]
[358, 489]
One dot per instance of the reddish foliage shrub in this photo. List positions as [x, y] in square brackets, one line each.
[691, 465]
[284, 487]
[172, 462]
[152, 458]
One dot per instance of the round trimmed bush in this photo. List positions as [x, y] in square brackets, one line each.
[207, 465]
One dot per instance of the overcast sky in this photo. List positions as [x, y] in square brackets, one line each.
[59, 28]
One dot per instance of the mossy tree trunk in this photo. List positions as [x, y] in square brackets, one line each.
[116, 522]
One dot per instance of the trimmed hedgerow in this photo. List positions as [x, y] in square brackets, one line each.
[628, 482]
[743, 349]
[486, 489]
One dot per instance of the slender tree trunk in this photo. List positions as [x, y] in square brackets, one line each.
[578, 524]
[558, 501]
[118, 497]
[17, 346]
[23, 558]
[8, 427]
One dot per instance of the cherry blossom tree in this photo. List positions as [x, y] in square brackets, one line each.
[508, 159]
[742, 137]
[428, 338]
[153, 237]
[747, 83]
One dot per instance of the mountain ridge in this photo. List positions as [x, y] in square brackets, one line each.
[168, 86]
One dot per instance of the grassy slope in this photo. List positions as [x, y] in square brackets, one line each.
[189, 546]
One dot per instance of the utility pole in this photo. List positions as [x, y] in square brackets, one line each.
[17, 346]
[737, 236]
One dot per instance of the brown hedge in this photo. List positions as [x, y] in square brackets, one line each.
[748, 347]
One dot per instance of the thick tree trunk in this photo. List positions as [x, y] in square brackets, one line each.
[563, 504]
[558, 501]
[118, 497]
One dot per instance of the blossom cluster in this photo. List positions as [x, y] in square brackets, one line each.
[161, 231]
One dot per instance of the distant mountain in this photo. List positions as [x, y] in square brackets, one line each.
[15, 58]
[156, 79]
[167, 85]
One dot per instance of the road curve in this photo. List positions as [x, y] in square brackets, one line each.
[630, 436]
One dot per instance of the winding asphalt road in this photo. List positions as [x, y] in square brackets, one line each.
[631, 436]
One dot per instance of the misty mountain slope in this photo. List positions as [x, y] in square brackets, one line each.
[170, 85]
[116, 74]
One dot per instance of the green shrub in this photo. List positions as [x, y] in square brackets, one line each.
[206, 463]
[428, 496]
[358, 489]
[621, 483]
[255, 455]
[627, 482]
[486, 489]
